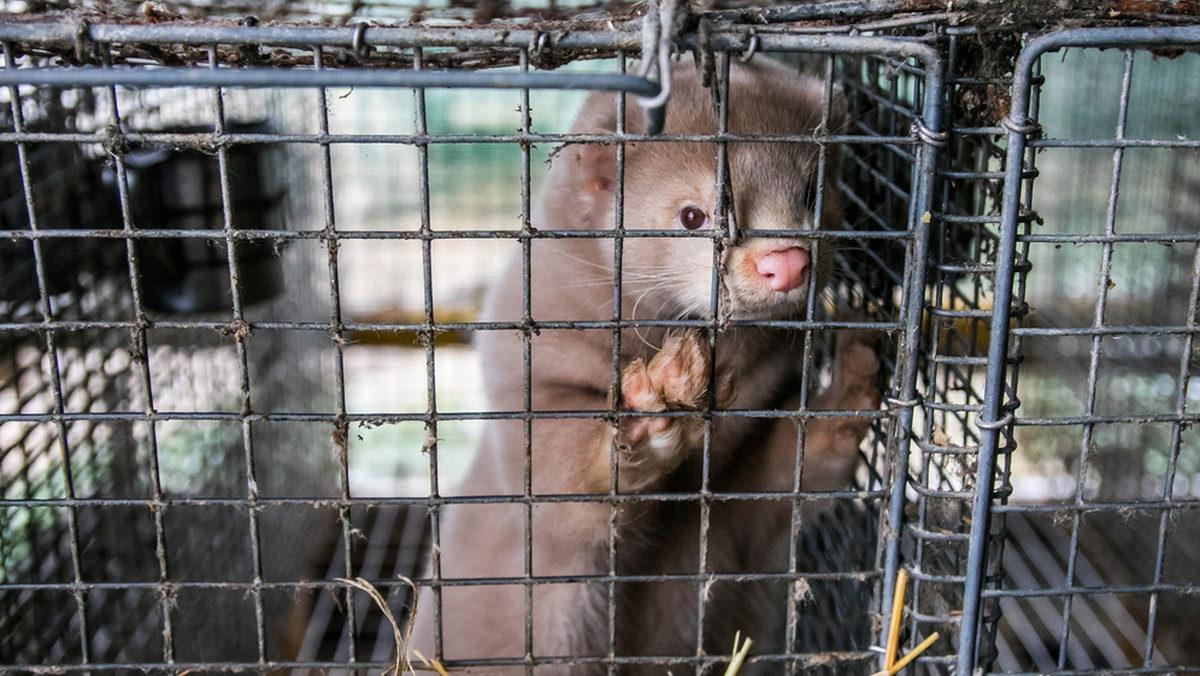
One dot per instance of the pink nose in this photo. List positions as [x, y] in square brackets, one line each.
[783, 269]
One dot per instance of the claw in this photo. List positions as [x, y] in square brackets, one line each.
[674, 379]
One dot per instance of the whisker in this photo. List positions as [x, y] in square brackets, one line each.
[637, 330]
[584, 261]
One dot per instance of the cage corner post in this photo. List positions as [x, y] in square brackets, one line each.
[929, 138]
[996, 413]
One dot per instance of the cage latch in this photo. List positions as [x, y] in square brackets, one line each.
[658, 32]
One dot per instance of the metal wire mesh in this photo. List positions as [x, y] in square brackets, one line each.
[112, 411]
[217, 430]
[1103, 568]
[185, 486]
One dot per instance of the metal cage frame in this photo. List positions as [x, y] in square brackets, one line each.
[1000, 404]
[921, 368]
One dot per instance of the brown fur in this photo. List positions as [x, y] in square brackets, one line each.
[572, 370]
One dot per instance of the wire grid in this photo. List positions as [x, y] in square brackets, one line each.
[938, 489]
[322, 11]
[880, 182]
[951, 362]
[1105, 569]
[884, 154]
[99, 397]
[954, 396]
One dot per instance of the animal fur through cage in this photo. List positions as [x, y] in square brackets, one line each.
[119, 539]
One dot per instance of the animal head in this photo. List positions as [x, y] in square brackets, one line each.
[672, 186]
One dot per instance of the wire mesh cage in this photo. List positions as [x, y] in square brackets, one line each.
[77, 399]
[244, 271]
[1103, 565]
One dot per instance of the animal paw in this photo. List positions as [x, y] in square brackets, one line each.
[856, 371]
[676, 379]
[831, 446]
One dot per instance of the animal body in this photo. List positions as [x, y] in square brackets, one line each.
[672, 187]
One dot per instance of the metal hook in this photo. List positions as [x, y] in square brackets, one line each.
[1019, 125]
[358, 43]
[751, 49]
[84, 45]
[995, 424]
[927, 135]
[896, 402]
[657, 46]
[538, 43]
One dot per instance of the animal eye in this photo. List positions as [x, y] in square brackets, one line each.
[692, 218]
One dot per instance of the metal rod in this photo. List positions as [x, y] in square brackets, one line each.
[1018, 129]
[733, 39]
[274, 77]
[908, 354]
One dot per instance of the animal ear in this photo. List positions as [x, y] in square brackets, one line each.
[595, 164]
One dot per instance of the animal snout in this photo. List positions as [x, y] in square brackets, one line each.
[783, 269]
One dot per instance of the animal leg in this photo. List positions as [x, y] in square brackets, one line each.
[676, 379]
